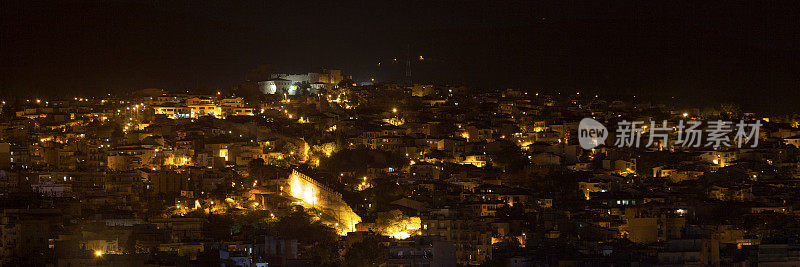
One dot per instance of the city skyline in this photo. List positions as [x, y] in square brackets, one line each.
[743, 53]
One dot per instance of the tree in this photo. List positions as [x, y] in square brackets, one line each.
[258, 170]
[299, 225]
[394, 221]
[303, 88]
[360, 159]
[347, 82]
[368, 252]
[509, 156]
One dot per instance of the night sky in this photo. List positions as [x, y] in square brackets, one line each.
[699, 52]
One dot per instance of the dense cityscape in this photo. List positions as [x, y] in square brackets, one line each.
[260, 133]
[317, 170]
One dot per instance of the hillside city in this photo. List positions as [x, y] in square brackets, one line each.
[314, 169]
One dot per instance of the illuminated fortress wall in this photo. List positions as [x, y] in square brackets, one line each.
[318, 196]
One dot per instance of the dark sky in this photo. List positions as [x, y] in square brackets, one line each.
[743, 52]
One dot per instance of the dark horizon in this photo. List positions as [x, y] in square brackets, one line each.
[701, 53]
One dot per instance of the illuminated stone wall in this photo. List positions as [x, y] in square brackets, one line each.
[318, 196]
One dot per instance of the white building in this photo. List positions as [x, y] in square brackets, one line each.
[325, 79]
[276, 86]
